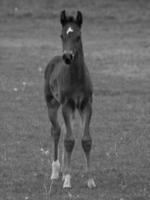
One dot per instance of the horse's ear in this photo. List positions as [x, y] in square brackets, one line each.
[79, 18]
[63, 17]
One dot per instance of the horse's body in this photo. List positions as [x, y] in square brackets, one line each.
[65, 83]
[68, 83]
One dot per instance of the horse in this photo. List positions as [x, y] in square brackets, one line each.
[68, 85]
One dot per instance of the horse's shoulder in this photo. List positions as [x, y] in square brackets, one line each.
[51, 65]
[88, 78]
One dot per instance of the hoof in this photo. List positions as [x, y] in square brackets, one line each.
[91, 184]
[55, 170]
[67, 181]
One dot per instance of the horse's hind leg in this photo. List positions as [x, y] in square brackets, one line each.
[53, 106]
[86, 113]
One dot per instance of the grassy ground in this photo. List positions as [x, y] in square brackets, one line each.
[117, 48]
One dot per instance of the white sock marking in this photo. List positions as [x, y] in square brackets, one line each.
[55, 169]
[67, 181]
[91, 183]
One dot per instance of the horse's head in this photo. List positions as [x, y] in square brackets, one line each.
[70, 35]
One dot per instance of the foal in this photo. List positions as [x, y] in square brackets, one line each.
[67, 83]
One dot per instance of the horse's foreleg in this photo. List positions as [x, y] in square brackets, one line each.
[86, 114]
[55, 133]
[68, 144]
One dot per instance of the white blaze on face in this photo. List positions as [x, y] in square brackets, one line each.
[69, 30]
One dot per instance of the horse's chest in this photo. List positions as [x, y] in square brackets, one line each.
[63, 92]
[63, 87]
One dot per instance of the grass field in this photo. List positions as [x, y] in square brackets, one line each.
[116, 39]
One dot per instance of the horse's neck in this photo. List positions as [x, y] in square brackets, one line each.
[77, 67]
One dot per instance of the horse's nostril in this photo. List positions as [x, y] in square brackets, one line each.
[64, 57]
[71, 56]
[67, 58]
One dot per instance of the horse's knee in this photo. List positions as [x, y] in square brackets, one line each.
[86, 144]
[55, 133]
[69, 144]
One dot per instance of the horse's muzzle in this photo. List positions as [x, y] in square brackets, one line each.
[68, 57]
